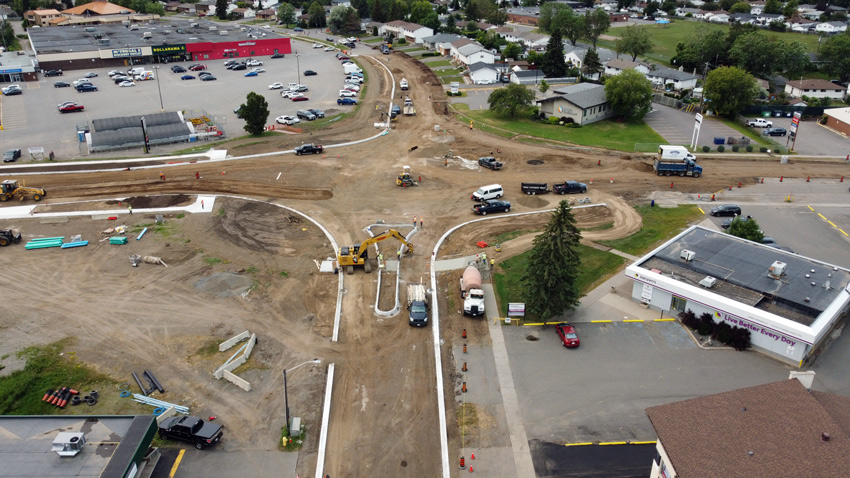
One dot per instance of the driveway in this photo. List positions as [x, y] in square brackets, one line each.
[676, 127]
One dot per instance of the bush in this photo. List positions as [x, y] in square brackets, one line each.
[689, 319]
[705, 149]
[573, 125]
[735, 148]
[402, 41]
[822, 119]
[749, 148]
[762, 149]
[554, 120]
[721, 148]
[706, 324]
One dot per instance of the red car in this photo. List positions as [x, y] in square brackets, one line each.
[568, 335]
[198, 67]
[71, 107]
[300, 98]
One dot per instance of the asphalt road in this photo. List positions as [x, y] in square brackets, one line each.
[608, 461]
[32, 119]
[212, 462]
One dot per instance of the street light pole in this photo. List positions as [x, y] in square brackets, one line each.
[161, 107]
[285, 392]
[298, 66]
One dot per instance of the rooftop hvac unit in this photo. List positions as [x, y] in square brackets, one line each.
[708, 282]
[777, 269]
[688, 255]
[69, 443]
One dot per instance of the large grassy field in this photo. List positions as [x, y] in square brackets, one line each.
[667, 37]
[659, 224]
[608, 134]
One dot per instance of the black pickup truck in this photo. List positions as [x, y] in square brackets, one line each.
[569, 187]
[491, 206]
[490, 163]
[309, 148]
[535, 188]
[190, 429]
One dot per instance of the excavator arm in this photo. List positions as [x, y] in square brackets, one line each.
[385, 235]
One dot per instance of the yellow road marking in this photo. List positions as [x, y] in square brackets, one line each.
[665, 320]
[600, 321]
[643, 442]
[831, 223]
[578, 444]
[821, 216]
[810, 208]
[176, 463]
[842, 232]
[632, 320]
[613, 443]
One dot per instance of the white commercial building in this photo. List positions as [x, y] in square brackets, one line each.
[789, 303]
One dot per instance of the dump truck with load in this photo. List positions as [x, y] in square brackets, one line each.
[471, 292]
[670, 153]
[417, 305]
[677, 168]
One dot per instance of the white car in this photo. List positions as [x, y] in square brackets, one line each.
[347, 93]
[115, 73]
[259, 70]
[329, 48]
[81, 81]
[287, 93]
[288, 120]
[125, 84]
[351, 87]
[254, 63]
[484, 82]
[316, 45]
[276, 86]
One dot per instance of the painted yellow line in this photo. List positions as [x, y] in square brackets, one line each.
[176, 463]
[842, 232]
[600, 321]
[664, 320]
[700, 210]
[632, 320]
[533, 323]
[821, 216]
[810, 208]
[613, 443]
[578, 444]
[831, 223]
[650, 442]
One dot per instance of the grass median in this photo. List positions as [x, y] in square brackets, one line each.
[659, 224]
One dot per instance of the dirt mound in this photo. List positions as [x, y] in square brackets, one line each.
[224, 284]
[535, 202]
[255, 226]
[140, 202]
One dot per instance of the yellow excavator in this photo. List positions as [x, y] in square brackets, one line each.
[358, 254]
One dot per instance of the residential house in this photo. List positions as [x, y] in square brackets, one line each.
[340, 3]
[703, 15]
[815, 89]
[718, 17]
[583, 103]
[527, 77]
[171, 6]
[757, 8]
[617, 65]
[574, 58]
[737, 426]
[267, 14]
[524, 15]
[99, 8]
[185, 8]
[670, 79]
[801, 25]
[441, 42]
[474, 53]
[684, 11]
[480, 25]
[204, 8]
[831, 27]
[533, 41]
[480, 71]
[743, 18]
[766, 18]
[810, 12]
[42, 17]
[412, 32]
[459, 43]
[244, 12]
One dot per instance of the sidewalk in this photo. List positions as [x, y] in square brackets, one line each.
[203, 204]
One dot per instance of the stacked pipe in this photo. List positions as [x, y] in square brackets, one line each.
[44, 242]
[159, 403]
[59, 397]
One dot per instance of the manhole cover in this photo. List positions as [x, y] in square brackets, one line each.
[532, 338]
[535, 162]
[403, 463]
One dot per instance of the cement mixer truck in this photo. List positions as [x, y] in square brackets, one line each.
[471, 292]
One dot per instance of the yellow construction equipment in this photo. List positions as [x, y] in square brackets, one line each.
[358, 254]
[405, 179]
[9, 188]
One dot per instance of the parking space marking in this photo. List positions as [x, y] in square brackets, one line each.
[13, 114]
[607, 443]
[176, 463]
[828, 221]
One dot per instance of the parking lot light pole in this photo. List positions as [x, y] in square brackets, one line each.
[161, 108]
[298, 66]
[286, 395]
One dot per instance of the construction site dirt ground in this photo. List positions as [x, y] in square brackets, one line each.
[246, 265]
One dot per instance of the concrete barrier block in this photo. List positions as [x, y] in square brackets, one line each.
[233, 341]
[251, 342]
[168, 413]
[243, 384]
[230, 366]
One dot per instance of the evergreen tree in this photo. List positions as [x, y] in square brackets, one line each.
[592, 65]
[554, 65]
[221, 9]
[549, 283]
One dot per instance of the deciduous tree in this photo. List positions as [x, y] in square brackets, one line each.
[773, 6]
[629, 94]
[549, 282]
[511, 100]
[255, 112]
[740, 7]
[746, 229]
[835, 53]
[317, 15]
[221, 9]
[286, 13]
[512, 50]
[596, 24]
[634, 41]
[728, 89]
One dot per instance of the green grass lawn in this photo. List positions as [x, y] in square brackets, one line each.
[608, 134]
[596, 267]
[667, 37]
[659, 224]
[433, 64]
[448, 72]
[372, 40]
[448, 79]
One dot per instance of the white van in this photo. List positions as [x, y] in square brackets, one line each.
[135, 71]
[493, 191]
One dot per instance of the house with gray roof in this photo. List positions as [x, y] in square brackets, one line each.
[480, 72]
[441, 42]
[574, 57]
[582, 103]
[473, 53]
[660, 76]
[527, 77]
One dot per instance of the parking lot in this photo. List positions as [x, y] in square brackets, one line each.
[33, 119]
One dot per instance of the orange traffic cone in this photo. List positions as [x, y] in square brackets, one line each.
[464, 348]
[807, 179]
[463, 389]
[470, 469]
[472, 457]
[464, 369]
[739, 184]
[463, 334]
[781, 178]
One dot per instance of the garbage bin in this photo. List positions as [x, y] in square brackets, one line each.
[652, 203]
[719, 140]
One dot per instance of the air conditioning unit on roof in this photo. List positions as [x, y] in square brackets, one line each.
[708, 282]
[687, 255]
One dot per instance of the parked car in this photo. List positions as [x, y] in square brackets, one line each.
[309, 148]
[53, 73]
[115, 73]
[91, 75]
[725, 210]
[121, 79]
[252, 62]
[278, 55]
[207, 77]
[252, 73]
[11, 155]
[346, 101]
[316, 45]
[230, 62]
[775, 132]
[569, 187]
[490, 163]
[484, 82]
[198, 67]
[61, 84]
[299, 97]
[304, 114]
[491, 206]
[178, 69]
[71, 107]
[190, 429]
[238, 67]
[319, 113]
[126, 84]
[351, 87]
[298, 88]
[276, 86]
[289, 120]
[759, 123]
[81, 81]
[329, 48]
[86, 87]
[12, 90]
[347, 93]
[728, 222]
[298, 29]
[258, 70]
[567, 334]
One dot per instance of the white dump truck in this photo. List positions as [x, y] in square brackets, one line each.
[471, 292]
[669, 153]
[417, 305]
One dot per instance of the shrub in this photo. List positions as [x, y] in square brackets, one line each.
[706, 324]
[554, 120]
[740, 339]
[402, 41]
[721, 148]
[822, 119]
[689, 319]
[705, 149]
[735, 148]
[762, 149]
[573, 125]
[749, 148]
[722, 333]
